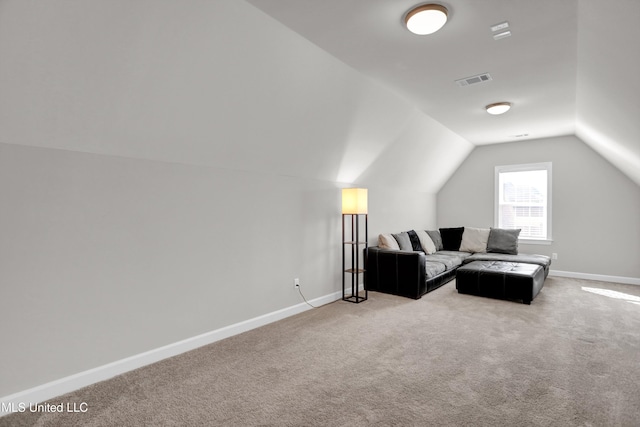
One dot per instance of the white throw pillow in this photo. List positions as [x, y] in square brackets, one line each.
[425, 241]
[387, 241]
[474, 239]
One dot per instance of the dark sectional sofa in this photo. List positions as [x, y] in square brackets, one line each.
[414, 272]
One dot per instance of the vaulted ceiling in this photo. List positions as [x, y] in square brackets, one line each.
[569, 67]
[341, 82]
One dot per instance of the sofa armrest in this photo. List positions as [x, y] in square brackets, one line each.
[395, 272]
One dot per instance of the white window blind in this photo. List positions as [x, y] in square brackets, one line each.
[523, 195]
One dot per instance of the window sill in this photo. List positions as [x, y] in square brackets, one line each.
[535, 241]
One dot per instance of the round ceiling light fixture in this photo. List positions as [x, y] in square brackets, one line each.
[498, 108]
[426, 19]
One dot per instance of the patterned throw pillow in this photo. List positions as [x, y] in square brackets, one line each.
[415, 241]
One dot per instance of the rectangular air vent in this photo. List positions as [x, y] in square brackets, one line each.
[480, 78]
[500, 26]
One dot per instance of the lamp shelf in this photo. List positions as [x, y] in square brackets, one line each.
[351, 226]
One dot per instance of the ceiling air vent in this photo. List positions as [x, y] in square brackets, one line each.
[480, 78]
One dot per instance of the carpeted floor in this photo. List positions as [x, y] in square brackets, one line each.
[571, 358]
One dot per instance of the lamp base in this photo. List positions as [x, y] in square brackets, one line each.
[356, 299]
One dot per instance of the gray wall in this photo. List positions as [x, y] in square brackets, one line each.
[106, 257]
[596, 209]
[164, 173]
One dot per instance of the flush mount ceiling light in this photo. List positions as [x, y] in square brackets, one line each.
[498, 108]
[426, 19]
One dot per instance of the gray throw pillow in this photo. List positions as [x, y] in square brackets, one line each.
[437, 239]
[503, 241]
[403, 241]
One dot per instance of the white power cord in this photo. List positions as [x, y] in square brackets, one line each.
[305, 300]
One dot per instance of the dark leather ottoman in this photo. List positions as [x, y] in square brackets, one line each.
[499, 279]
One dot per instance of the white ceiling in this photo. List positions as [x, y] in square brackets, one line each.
[568, 67]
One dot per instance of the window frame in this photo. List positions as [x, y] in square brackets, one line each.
[546, 166]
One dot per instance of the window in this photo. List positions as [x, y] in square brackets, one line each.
[523, 200]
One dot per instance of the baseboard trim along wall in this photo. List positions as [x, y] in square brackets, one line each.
[598, 277]
[41, 393]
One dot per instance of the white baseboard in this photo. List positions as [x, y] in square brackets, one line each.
[41, 393]
[598, 277]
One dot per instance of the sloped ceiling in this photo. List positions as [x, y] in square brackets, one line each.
[181, 82]
[570, 67]
[608, 87]
[277, 86]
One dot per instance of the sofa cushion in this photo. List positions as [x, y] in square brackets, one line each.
[403, 241]
[503, 241]
[428, 247]
[436, 238]
[450, 259]
[432, 269]
[448, 262]
[457, 255]
[474, 239]
[451, 238]
[387, 241]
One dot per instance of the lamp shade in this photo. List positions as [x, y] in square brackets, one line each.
[354, 201]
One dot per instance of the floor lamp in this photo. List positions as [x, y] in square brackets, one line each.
[354, 206]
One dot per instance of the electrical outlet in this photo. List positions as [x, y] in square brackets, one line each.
[296, 283]
[554, 256]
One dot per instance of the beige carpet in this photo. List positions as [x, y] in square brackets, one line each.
[571, 358]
